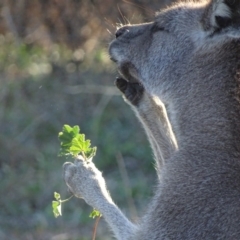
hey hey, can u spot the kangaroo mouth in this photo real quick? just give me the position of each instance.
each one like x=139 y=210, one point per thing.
x=126 y=69
x=128 y=72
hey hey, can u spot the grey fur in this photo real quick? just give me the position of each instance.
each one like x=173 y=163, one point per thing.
x=188 y=64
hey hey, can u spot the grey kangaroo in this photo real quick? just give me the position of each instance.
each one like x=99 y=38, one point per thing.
x=181 y=75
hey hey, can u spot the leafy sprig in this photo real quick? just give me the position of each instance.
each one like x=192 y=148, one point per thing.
x=73 y=143
x=57 y=205
x=95 y=213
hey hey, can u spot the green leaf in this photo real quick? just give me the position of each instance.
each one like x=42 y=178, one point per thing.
x=67 y=128
x=75 y=147
x=76 y=130
x=57 y=196
x=56 y=205
x=74 y=143
x=57 y=210
x=95 y=213
x=91 y=152
x=68 y=133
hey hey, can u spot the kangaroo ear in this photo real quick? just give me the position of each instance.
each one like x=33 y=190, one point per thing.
x=221 y=14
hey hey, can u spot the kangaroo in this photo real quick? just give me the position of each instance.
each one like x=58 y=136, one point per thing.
x=181 y=75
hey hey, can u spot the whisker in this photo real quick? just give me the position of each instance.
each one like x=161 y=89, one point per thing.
x=109 y=32
x=151 y=11
x=121 y=13
x=127 y=21
x=108 y=21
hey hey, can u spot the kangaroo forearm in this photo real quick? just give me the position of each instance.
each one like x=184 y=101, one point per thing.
x=160 y=134
x=85 y=180
x=153 y=116
x=120 y=225
x=154 y=145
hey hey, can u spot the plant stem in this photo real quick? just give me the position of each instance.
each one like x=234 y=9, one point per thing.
x=65 y=200
x=95 y=227
x=84 y=156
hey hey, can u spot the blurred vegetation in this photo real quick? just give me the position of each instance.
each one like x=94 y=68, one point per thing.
x=54 y=69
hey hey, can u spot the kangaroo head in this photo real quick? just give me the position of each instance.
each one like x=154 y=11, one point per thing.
x=153 y=52
x=189 y=57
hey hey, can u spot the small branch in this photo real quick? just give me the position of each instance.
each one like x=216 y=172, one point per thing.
x=84 y=156
x=95 y=227
x=65 y=200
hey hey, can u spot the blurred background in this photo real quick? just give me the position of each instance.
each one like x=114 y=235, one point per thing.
x=55 y=70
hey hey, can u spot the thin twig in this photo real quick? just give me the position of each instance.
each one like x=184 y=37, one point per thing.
x=95 y=227
x=121 y=14
x=149 y=10
x=66 y=200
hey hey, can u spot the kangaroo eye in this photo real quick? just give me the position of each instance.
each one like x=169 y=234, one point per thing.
x=157 y=28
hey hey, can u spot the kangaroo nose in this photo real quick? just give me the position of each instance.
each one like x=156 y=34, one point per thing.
x=121 y=31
